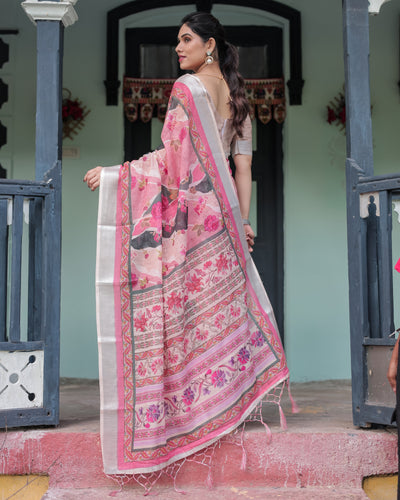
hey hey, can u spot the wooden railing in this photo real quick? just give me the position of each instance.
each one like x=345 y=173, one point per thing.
x=28 y=355
x=371 y=292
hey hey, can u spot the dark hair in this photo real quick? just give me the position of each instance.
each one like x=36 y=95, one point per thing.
x=207 y=26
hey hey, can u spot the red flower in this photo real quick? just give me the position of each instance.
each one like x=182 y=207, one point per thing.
x=156 y=210
x=331 y=115
x=211 y=223
x=174 y=301
x=194 y=284
x=221 y=263
x=342 y=115
x=71 y=109
x=140 y=322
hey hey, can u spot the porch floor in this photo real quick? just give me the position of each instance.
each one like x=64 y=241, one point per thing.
x=320 y=455
x=324 y=407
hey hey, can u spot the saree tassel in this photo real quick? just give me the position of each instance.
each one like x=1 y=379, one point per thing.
x=209 y=480
x=267 y=431
x=178 y=490
x=244 y=454
x=295 y=408
x=244 y=459
x=283 y=419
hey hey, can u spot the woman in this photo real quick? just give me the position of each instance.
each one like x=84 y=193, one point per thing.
x=393 y=375
x=187 y=338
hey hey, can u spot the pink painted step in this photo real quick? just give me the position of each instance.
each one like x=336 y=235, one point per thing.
x=220 y=493
x=291 y=460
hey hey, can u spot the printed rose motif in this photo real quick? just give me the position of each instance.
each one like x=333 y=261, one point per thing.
x=171 y=121
x=207 y=264
x=219 y=320
x=141 y=370
x=188 y=396
x=153 y=413
x=174 y=301
x=182 y=134
x=194 y=284
x=211 y=223
x=200 y=206
x=172 y=358
x=235 y=311
x=257 y=339
x=243 y=356
x=140 y=322
x=201 y=334
x=134 y=279
x=218 y=378
x=221 y=263
x=164 y=202
x=156 y=365
x=156 y=210
x=185 y=345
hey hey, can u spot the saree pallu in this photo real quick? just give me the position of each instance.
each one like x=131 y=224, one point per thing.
x=188 y=344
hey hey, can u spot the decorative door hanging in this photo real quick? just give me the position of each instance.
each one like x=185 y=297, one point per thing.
x=140 y=95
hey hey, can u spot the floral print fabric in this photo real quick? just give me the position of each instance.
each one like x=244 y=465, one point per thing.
x=195 y=351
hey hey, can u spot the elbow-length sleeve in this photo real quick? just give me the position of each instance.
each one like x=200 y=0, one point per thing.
x=243 y=145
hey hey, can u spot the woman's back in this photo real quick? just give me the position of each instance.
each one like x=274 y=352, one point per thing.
x=218 y=90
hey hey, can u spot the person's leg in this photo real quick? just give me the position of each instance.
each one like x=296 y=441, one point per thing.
x=398 y=422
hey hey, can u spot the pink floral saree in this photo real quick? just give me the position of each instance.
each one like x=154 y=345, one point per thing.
x=188 y=345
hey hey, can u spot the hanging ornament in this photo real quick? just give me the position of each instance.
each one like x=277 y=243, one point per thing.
x=209 y=58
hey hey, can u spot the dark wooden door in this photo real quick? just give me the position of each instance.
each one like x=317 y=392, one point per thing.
x=150 y=54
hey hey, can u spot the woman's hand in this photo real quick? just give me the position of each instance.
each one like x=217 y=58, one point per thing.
x=392 y=370
x=92 y=178
x=249 y=236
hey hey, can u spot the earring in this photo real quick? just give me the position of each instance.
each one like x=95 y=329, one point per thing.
x=209 y=58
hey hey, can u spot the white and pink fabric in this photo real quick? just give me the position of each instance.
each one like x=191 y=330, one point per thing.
x=188 y=343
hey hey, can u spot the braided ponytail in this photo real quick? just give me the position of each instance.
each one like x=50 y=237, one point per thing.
x=207 y=26
x=229 y=62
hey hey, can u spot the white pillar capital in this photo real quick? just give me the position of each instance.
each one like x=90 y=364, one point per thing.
x=51 y=11
x=375 y=6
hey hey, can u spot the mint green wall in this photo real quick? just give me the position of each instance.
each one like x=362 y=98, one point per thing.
x=316 y=291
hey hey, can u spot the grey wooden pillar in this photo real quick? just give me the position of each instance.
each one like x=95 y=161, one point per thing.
x=358 y=103
x=359 y=163
x=50 y=38
x=50 y=19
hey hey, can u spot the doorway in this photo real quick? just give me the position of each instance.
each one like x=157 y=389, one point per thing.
x=150 y=53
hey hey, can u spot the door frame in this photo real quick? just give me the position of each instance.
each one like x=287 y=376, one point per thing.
x=293 y=16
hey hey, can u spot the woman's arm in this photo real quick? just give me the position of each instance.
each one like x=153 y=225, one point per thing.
x=392 y=370
x=243 y=187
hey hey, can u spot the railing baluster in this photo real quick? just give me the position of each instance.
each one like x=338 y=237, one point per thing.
x=385 y=265
x=3 y=268
x=16 y=260
x=372 y=269
x=35 y=269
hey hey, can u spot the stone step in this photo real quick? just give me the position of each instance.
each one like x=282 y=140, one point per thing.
x=219 y=493
x=291 y=460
